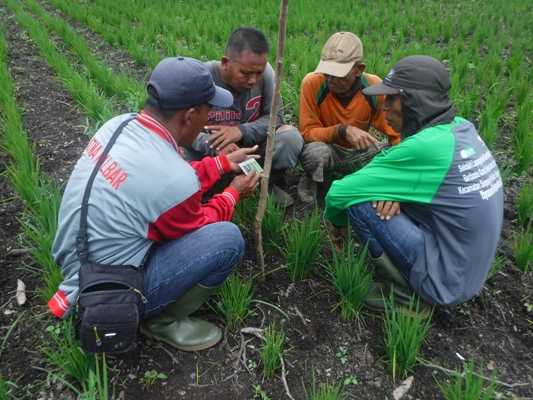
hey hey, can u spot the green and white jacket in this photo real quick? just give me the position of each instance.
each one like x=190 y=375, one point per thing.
x=449 y=184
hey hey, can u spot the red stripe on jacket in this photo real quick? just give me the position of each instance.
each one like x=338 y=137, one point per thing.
x=191 y=214
x=58 y=304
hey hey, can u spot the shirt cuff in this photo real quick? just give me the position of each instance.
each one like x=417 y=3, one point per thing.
x=232 y=194
x=58 y=304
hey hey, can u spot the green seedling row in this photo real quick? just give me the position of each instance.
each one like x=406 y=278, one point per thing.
x=114 y=31
x=128 y=90
x=40 y=196
x=39 y=222
x=86 y=95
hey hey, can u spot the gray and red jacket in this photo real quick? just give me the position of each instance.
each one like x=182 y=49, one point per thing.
x=145 y=192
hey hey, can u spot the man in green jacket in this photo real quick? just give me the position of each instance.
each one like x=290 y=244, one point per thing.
x=443 y=179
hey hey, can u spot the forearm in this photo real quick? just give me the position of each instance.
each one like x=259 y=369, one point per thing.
x=210 y=169
x=191 y=215
x=326 y=134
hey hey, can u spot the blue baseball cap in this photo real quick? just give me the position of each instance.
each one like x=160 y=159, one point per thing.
x=181 y=82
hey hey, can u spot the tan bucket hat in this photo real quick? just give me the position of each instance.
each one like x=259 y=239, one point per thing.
x=339 y=54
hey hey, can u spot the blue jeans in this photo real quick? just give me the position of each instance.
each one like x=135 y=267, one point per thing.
x=399 y=237
x=206 y=257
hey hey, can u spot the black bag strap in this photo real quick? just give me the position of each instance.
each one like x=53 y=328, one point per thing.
x=82 y=244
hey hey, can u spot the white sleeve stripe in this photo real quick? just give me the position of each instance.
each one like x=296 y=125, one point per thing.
x=230 y=196
x=219 y=165
x=60 y=301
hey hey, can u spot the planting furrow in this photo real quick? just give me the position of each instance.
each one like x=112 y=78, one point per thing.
x=117 y=59
x=116 y=33
x=129 y=91
x=41 y=196
x=88 y=97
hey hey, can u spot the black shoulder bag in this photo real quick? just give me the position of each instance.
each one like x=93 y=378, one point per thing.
x=110 y=304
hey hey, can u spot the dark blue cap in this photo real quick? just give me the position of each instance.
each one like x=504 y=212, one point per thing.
x=413 y=72
x=180 y=82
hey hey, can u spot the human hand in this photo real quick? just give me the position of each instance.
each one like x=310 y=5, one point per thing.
x=241 y=155
x=222 y=135
x=386 y=209
x=359 y=139
x=245 y=184
x=230 y=148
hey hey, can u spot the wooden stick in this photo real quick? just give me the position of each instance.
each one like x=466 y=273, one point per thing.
x=261 y=207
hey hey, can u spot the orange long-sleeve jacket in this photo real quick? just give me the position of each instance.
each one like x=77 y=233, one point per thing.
x=321 y=112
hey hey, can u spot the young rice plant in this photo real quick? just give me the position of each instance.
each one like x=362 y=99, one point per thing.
x=245 y=212
x=325 y=391
x=272 y=350
x=523 y=249
x=273 y=224
x=497 y=265
x=351 y=279
x=405 y=331
x=525 y=205
x=468 y=386
x=234 y=298
x=303 y=240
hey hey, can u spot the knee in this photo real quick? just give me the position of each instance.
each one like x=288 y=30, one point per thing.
x=289 y=139
x=228 y=237
x=288 y=145
x=361 y=211
x=314 y=154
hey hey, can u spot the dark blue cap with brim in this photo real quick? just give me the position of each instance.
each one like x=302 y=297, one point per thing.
x=413 y=72
x=180 y=82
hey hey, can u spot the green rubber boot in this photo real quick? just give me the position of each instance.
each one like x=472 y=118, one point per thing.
x=392 y=280
x=175 y=328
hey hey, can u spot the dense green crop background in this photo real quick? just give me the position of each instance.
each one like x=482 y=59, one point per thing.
x=487 y=45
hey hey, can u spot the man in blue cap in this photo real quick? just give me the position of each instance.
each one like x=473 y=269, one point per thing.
x=145 y=206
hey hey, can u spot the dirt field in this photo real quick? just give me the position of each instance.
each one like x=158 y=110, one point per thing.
x=494 y=329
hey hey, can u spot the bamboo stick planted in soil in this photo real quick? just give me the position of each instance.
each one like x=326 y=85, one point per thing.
x=270 y=138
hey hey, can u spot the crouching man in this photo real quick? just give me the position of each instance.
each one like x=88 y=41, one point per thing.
x=335 y=115
x=244 y=71
x=444 y=181
x=145 y=206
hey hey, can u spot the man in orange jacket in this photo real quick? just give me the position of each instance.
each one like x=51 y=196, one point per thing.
x=335 y=115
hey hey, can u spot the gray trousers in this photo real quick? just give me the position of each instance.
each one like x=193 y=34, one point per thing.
x=319 y=158
x=288 y=143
